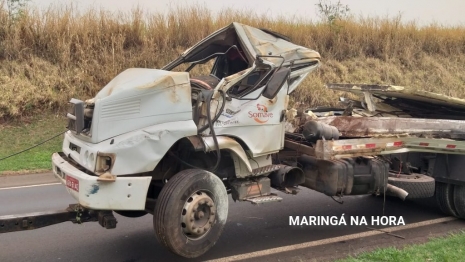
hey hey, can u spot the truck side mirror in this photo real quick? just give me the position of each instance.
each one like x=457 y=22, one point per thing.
x=276 y=82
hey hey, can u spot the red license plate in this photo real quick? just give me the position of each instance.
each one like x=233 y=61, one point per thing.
x=72 y=183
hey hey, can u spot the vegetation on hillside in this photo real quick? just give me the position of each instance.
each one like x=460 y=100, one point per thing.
x=448 y=248
x=48 y=57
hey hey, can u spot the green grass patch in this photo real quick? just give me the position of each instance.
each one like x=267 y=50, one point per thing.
x=448 y=248
x=24 y=133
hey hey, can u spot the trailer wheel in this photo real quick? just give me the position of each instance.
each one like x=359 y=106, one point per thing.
x=190 y=213
x=417 y=185
x=459 y=200
x=445 y=198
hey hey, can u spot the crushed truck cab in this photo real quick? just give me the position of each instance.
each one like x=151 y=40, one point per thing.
x=174 y=142
x=117 y=139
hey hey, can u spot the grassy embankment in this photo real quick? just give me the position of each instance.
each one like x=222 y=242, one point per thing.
x=24 y=133
x=439 y=249
x=47 y=58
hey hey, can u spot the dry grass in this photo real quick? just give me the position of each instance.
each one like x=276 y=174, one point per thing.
x=48 y=57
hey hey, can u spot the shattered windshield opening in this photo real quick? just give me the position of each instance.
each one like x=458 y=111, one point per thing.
x=255 y=80
x=219 y=65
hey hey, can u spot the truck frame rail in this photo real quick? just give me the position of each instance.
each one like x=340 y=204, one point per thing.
x=344 y=148
x=74 y=213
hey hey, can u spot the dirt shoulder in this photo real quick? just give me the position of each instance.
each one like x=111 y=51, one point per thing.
x=16 y=180
x=24 y=172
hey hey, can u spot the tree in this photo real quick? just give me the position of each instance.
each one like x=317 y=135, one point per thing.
x=16 y=8
x=331 y=12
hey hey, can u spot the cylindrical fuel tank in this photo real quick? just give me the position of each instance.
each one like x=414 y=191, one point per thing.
x=314 y=130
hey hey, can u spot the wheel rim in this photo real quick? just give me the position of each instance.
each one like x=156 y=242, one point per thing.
x=198 y=215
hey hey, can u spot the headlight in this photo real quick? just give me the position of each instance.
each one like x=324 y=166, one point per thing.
x=90 y=161
x=105 y=162
x=85 y=159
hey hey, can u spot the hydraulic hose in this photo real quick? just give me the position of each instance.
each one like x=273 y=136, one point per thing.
x=209 y=124
x=209 y=98
x=212 y=129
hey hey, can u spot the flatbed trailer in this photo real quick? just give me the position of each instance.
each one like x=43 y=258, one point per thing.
x=336 y=149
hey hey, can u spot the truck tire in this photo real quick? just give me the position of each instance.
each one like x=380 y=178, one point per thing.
x=131 y=214
x=191 y=212
x=459 y=200
x=445 y=198
x=417 y=185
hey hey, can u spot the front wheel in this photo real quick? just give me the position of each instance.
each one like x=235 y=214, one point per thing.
x=191 y=212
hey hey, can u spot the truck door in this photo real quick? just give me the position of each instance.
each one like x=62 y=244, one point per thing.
x=253 y=118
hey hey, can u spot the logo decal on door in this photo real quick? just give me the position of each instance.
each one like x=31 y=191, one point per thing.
x=261 y=115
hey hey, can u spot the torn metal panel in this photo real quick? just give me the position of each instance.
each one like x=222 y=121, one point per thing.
x=252 y=41
x=266 y=44
x=385 y=126
x=369 y=100
x=416 y=103
x=401 y=92
x=382 y=110
x=135 y=152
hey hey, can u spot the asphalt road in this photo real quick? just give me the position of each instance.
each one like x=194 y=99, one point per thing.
x=249 y=228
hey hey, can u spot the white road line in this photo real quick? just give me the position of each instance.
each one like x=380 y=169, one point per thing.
x=277 y=250
x=17 y=187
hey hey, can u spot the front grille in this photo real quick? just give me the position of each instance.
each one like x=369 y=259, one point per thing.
x=75 y=164
x=120 y=109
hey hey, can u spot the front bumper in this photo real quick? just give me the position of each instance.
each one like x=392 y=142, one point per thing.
x=126 y=193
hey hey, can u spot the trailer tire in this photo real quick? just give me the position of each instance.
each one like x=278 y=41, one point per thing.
x=459 y=200
x=191 y=212
x=445 y=198
x=417 y=185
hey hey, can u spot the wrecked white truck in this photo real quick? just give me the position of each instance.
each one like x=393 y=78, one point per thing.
x=174 y=143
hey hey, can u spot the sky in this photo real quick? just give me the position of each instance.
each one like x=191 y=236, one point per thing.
x=424 y=12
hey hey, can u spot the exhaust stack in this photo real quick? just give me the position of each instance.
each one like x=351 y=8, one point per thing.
x=287 y=178
x=396 y=191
